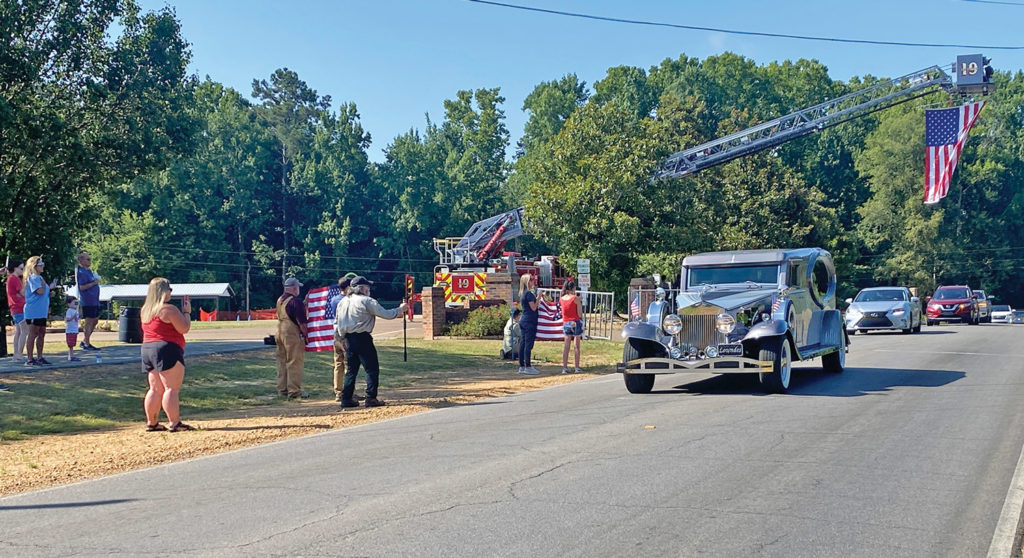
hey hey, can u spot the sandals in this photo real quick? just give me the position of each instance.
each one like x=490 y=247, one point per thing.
x=155 y=427
x=180 y=426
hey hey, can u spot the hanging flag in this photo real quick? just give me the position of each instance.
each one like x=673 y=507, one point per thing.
x=945 y=132
x=320 y=315
x=634 y=307
x=549 y=320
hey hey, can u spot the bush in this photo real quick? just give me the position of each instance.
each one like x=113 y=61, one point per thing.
x=482 y=322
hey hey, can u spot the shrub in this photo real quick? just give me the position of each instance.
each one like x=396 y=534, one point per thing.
x=482 y=322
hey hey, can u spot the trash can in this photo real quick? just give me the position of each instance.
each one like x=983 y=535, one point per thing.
x=129 y=327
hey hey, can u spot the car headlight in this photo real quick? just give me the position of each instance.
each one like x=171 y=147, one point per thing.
x=725 y=323
x=852 y=314
x=899 y=311
x=673 y=324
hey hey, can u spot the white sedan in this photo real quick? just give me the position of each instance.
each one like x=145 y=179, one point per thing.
x=1001 y=314
x=883 y=308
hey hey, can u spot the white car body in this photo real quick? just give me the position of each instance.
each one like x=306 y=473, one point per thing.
x=1001 y=316
x=883 y=308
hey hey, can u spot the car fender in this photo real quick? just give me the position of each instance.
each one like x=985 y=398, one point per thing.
x=771 y=328
x=644 y=330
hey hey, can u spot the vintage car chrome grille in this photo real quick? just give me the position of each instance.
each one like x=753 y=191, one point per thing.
x=699 y=327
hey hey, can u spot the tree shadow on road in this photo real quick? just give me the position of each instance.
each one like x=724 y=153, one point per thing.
x=811 y=381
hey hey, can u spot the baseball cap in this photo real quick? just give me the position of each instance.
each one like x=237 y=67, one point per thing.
x=351 y=275
x=360 y=280
x=292 y=282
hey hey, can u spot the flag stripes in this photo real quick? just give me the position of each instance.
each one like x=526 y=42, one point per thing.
x=946 y=132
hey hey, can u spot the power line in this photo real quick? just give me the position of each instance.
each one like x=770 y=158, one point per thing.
x=736 y=32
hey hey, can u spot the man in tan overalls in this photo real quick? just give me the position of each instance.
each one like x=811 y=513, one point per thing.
x=291 y=340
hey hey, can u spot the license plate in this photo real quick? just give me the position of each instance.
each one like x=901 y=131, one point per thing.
x=732 y=349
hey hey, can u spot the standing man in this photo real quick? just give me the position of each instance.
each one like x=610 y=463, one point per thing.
x=339 y=345
x=291 y=340
x=357 y=314
x=89 y=294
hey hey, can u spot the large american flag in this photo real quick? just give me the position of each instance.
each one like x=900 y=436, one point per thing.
x=549 y=320
x=945 y=132
x=320 y=314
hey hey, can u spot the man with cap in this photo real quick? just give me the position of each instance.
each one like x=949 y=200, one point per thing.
x=357 y=314
x=339 y=346
x=291 y=340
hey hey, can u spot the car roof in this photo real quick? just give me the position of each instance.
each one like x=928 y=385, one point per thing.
x=882 y=288
x=749 y=256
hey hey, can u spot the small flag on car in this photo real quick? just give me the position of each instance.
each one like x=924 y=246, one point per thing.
x=634 y=307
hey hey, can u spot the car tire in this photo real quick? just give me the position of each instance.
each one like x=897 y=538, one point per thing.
x=636 y=383
x=851 y=332
x=931 y=323
x=835 y=363
x=776 y=350
x=918 y=328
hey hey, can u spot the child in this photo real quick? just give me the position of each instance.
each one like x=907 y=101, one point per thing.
x=510 y=344
x=71 y=331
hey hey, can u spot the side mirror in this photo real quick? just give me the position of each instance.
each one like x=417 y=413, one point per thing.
x=849 y=301
x=915 y=300
x=974 y=297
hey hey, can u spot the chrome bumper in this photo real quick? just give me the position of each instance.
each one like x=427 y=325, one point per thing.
x=721 y=365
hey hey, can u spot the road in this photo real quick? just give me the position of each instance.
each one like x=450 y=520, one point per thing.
x=910 y=452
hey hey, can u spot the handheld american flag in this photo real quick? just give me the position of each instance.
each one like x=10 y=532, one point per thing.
x=634 y=307
x=945 y=132
x=549 y=320
x=320 y=327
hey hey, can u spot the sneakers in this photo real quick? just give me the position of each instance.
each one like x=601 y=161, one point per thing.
x=42 y=360
x=374 y=402
x=74 y=359
x=301 y=395
x=579 y=370
x=87 y=346
x=31 y=362
x=349 y=403
x=529 y=370
x=565 y=370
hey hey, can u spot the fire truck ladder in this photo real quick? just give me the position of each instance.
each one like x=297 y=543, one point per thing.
x=484 y=238
x=804 y=122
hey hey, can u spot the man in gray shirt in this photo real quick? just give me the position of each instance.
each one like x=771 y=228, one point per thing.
x=356 y=315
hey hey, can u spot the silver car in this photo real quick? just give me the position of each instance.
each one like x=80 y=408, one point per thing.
x=883 y=308
x=1001 y=313
x=753 y=311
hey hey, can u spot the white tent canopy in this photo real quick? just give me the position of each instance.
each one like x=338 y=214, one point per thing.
x=138 y=292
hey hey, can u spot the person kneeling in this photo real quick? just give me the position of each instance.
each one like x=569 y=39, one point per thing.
x=510 y=343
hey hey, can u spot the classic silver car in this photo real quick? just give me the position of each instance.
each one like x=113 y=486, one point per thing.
x=752 y=311
x=883 y=308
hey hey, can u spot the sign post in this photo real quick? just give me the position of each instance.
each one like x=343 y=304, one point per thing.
x=583 y=274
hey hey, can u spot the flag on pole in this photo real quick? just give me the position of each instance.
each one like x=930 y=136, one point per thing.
x=320 y=319
x=945 y=132
x=549 y=320
x=634 y=307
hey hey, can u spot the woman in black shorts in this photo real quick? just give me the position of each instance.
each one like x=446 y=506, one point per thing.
x=163 y=354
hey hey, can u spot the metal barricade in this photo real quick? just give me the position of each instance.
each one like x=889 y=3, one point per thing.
x=598 y=312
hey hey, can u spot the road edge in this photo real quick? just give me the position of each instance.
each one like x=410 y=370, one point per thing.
x=1005 y=535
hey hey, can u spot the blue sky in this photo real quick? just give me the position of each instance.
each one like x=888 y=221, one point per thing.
x=399 y=59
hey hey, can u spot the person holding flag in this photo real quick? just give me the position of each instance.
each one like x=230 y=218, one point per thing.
x=357 y=314
x=339 y=344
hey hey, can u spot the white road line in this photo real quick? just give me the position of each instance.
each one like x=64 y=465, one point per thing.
x=1006 y=529
x=947 y=353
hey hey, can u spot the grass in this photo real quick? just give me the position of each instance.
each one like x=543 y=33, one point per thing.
x=100 y=397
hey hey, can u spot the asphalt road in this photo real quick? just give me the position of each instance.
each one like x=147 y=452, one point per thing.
x=910 y=452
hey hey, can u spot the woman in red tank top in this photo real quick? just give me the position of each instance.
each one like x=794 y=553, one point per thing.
x=572 y=324
x=163 y=354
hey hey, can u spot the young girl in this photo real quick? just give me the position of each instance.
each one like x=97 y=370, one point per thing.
x=71 y=327
x=572 y=324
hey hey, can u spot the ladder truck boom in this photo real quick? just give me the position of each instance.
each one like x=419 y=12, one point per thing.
x=803 y=122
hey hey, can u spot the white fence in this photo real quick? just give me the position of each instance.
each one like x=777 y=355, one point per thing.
x=598 y=310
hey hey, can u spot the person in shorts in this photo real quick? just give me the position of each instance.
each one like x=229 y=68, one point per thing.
x=163 y=354
x=572 y=324
x=89 y=290
x=71 y=319
x=16 y=302
x=37 y=307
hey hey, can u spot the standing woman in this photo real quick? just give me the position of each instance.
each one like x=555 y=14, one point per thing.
x=527 y=323
x=16 y=302
x=163 y=354
x=37 y=308
x=572 y=324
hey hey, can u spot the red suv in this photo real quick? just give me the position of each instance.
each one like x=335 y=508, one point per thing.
x=953 y=304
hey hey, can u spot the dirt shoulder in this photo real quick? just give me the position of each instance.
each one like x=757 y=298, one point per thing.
x=45 y=461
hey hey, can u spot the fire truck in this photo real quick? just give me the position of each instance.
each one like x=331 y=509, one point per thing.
x=464 y=262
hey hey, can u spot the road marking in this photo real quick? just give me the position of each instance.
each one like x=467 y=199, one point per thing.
x=1006 y=529
x=948 y=353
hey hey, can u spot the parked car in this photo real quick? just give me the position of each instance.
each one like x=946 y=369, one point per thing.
x=753 y=311
x=883 y=308
x=984 y=307
x=1017 y=317
x=1001 y=313
x=952 y=303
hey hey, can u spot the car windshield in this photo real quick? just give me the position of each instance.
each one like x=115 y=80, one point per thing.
x=981 y=295
x=1001 y=308
x=950 y=294
x=887 y=295
x=733 y=274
